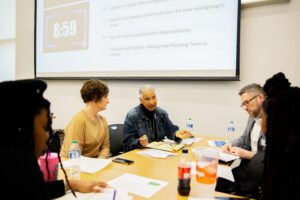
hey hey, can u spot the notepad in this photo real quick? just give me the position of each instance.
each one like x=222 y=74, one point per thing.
x=165 y=146
x=227 y=157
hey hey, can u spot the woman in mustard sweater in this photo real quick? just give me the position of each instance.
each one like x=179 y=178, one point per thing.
x=88 y=127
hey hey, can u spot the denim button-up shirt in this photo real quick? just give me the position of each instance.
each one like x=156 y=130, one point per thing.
x=137 y=124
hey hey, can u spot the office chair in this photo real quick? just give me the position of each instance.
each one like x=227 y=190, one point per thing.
x=116 y=139
x=56 y=140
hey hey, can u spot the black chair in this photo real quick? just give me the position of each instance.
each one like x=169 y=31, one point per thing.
x=116 y=139
x=56 y=140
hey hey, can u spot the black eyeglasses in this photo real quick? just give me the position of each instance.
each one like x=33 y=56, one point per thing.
x=246 y=102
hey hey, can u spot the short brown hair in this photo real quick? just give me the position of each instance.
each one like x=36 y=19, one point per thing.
x=93 y=90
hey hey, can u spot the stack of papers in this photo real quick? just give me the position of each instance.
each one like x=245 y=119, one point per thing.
x=156 y=153
x=165 y=146
x=139 y=185
x=89 y=165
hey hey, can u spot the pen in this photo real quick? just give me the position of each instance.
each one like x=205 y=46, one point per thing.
x=115 y=193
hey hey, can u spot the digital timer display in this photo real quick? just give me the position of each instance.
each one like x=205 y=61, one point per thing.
x=66 y=28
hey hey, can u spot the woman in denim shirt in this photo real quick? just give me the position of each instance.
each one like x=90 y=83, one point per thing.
x=146 y=123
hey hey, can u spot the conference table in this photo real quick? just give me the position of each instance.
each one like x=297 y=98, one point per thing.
x=155 y=168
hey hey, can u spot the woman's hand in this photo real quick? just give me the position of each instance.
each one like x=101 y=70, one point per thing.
x=86 y=186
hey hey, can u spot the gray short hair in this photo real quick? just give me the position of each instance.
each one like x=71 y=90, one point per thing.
x=254 y=87
x=144 y=88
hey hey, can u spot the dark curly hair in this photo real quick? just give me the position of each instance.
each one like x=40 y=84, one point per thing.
x=93 y=90
x=283 y=145
x=276 y=83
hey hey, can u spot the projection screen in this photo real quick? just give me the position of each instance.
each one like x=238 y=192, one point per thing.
x=137 y=39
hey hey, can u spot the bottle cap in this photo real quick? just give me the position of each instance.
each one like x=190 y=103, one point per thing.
x=185 y=151
x=74 y=142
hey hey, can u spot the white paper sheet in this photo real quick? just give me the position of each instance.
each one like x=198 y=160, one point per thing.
x=190 y=141
x=156 y=153
x=138 y=185
x=227 y=157
x=223 y=171
x=89 y=165
x=107 y=194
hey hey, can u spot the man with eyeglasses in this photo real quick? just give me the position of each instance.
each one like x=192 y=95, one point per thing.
x=250 y=145
x=252 y=97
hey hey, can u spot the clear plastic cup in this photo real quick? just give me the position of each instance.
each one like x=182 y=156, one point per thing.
x=206 y=171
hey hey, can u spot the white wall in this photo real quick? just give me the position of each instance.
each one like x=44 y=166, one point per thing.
x=7 y=19
x=269 y=43
x=7 y=39
x=7 y=59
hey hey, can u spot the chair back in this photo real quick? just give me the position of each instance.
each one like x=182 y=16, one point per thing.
x=56 y=140
x=116 y=139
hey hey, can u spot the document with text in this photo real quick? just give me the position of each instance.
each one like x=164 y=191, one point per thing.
x=139 y=185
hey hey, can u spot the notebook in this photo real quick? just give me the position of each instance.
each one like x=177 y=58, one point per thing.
x=165 y=146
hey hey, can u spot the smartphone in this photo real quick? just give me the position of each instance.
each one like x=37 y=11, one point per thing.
x=123 y=161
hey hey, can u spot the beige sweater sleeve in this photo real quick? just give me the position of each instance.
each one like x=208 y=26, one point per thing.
x=105 y=147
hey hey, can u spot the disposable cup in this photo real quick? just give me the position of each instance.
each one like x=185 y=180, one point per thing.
x=52 y=166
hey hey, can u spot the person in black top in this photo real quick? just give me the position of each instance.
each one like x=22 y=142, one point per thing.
x=280 y=123
x=25 y=127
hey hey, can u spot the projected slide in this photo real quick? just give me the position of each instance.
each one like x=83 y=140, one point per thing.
x=137 y=39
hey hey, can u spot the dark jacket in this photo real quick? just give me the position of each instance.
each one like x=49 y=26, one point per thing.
x=137 y=124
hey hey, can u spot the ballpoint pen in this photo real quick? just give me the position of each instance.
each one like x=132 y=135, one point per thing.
x=115 y=194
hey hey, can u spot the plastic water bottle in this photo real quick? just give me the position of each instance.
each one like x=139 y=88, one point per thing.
x=189 y=125
x=184 y=174
x=74 y=156
x=231 y=130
